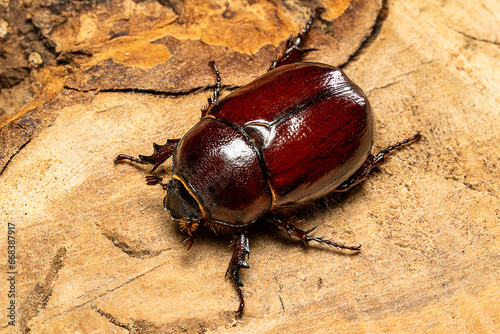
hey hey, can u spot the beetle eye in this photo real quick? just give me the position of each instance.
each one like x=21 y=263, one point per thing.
x=180 y=203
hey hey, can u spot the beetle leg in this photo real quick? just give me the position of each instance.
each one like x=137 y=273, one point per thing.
x=188 y=241
x=213 y=100
x=237 y=262
x=188 y=227
x=152 y=180
x=160 y=155
x=292 y=51
x=371 y=162
x=303 y=235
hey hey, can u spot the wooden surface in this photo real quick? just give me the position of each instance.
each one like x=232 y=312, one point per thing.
x=96 y=251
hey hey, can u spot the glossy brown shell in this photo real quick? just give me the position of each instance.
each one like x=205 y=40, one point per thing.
x=221 y=165
x=308 y=128
x=312 y=125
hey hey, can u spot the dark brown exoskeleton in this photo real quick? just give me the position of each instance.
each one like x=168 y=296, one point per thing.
x=297 y=133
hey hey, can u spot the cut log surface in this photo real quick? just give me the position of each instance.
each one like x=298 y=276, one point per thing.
x=97 y=253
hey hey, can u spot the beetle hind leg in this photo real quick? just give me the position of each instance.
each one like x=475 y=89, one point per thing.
x=160 y=155
x=213 y=100
x=304 y=236
x=237 y=262
x=293 y=52
x=372 y=162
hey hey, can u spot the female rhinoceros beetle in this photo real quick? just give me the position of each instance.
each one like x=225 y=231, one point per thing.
x=298 y=132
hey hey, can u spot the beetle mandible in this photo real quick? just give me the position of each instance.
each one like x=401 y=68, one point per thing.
x=298 y=132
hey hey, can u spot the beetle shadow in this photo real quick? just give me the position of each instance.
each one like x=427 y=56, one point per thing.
x=141 y=170
x=306 y=213
x=145 y=169
x=264 y=229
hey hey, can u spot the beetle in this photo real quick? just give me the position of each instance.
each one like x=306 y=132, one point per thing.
x=298 y=132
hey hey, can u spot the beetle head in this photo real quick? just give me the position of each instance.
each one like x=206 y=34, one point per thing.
x=184 y=207
x=180 y=203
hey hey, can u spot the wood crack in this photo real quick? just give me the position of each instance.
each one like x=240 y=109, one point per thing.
x=110 y=318
x=14 y=154
x=104 y=293
x=174 y=95
x=280 y=289
x=396 y=80
x=474 y=38
x=41 y=293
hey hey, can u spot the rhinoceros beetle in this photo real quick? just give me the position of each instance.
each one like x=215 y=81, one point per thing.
x=298 y=132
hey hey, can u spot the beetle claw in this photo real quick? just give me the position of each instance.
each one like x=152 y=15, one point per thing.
x=309 y=231
x=242 y=301
x=122 y=157
x=188 y=242
x=308 y=50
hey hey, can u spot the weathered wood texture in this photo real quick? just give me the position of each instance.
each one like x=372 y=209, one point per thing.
x=97 y=252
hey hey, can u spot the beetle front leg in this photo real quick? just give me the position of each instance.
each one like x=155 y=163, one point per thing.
x=160 y=155
x=237 y=262
x=291 y=230
x=371 y=162
x=292 y=51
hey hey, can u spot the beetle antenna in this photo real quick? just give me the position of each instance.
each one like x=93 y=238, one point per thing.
x=153 y=180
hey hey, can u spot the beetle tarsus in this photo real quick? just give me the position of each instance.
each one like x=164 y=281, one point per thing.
x=293 y=231
x=238 y=261
x=188 y=242
x=371 y=163
x=293 y=52
x=213 y=100
x=387 y=150
x=242 y=301
x=331 y=243
x=122 y=157
x=160 y=155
